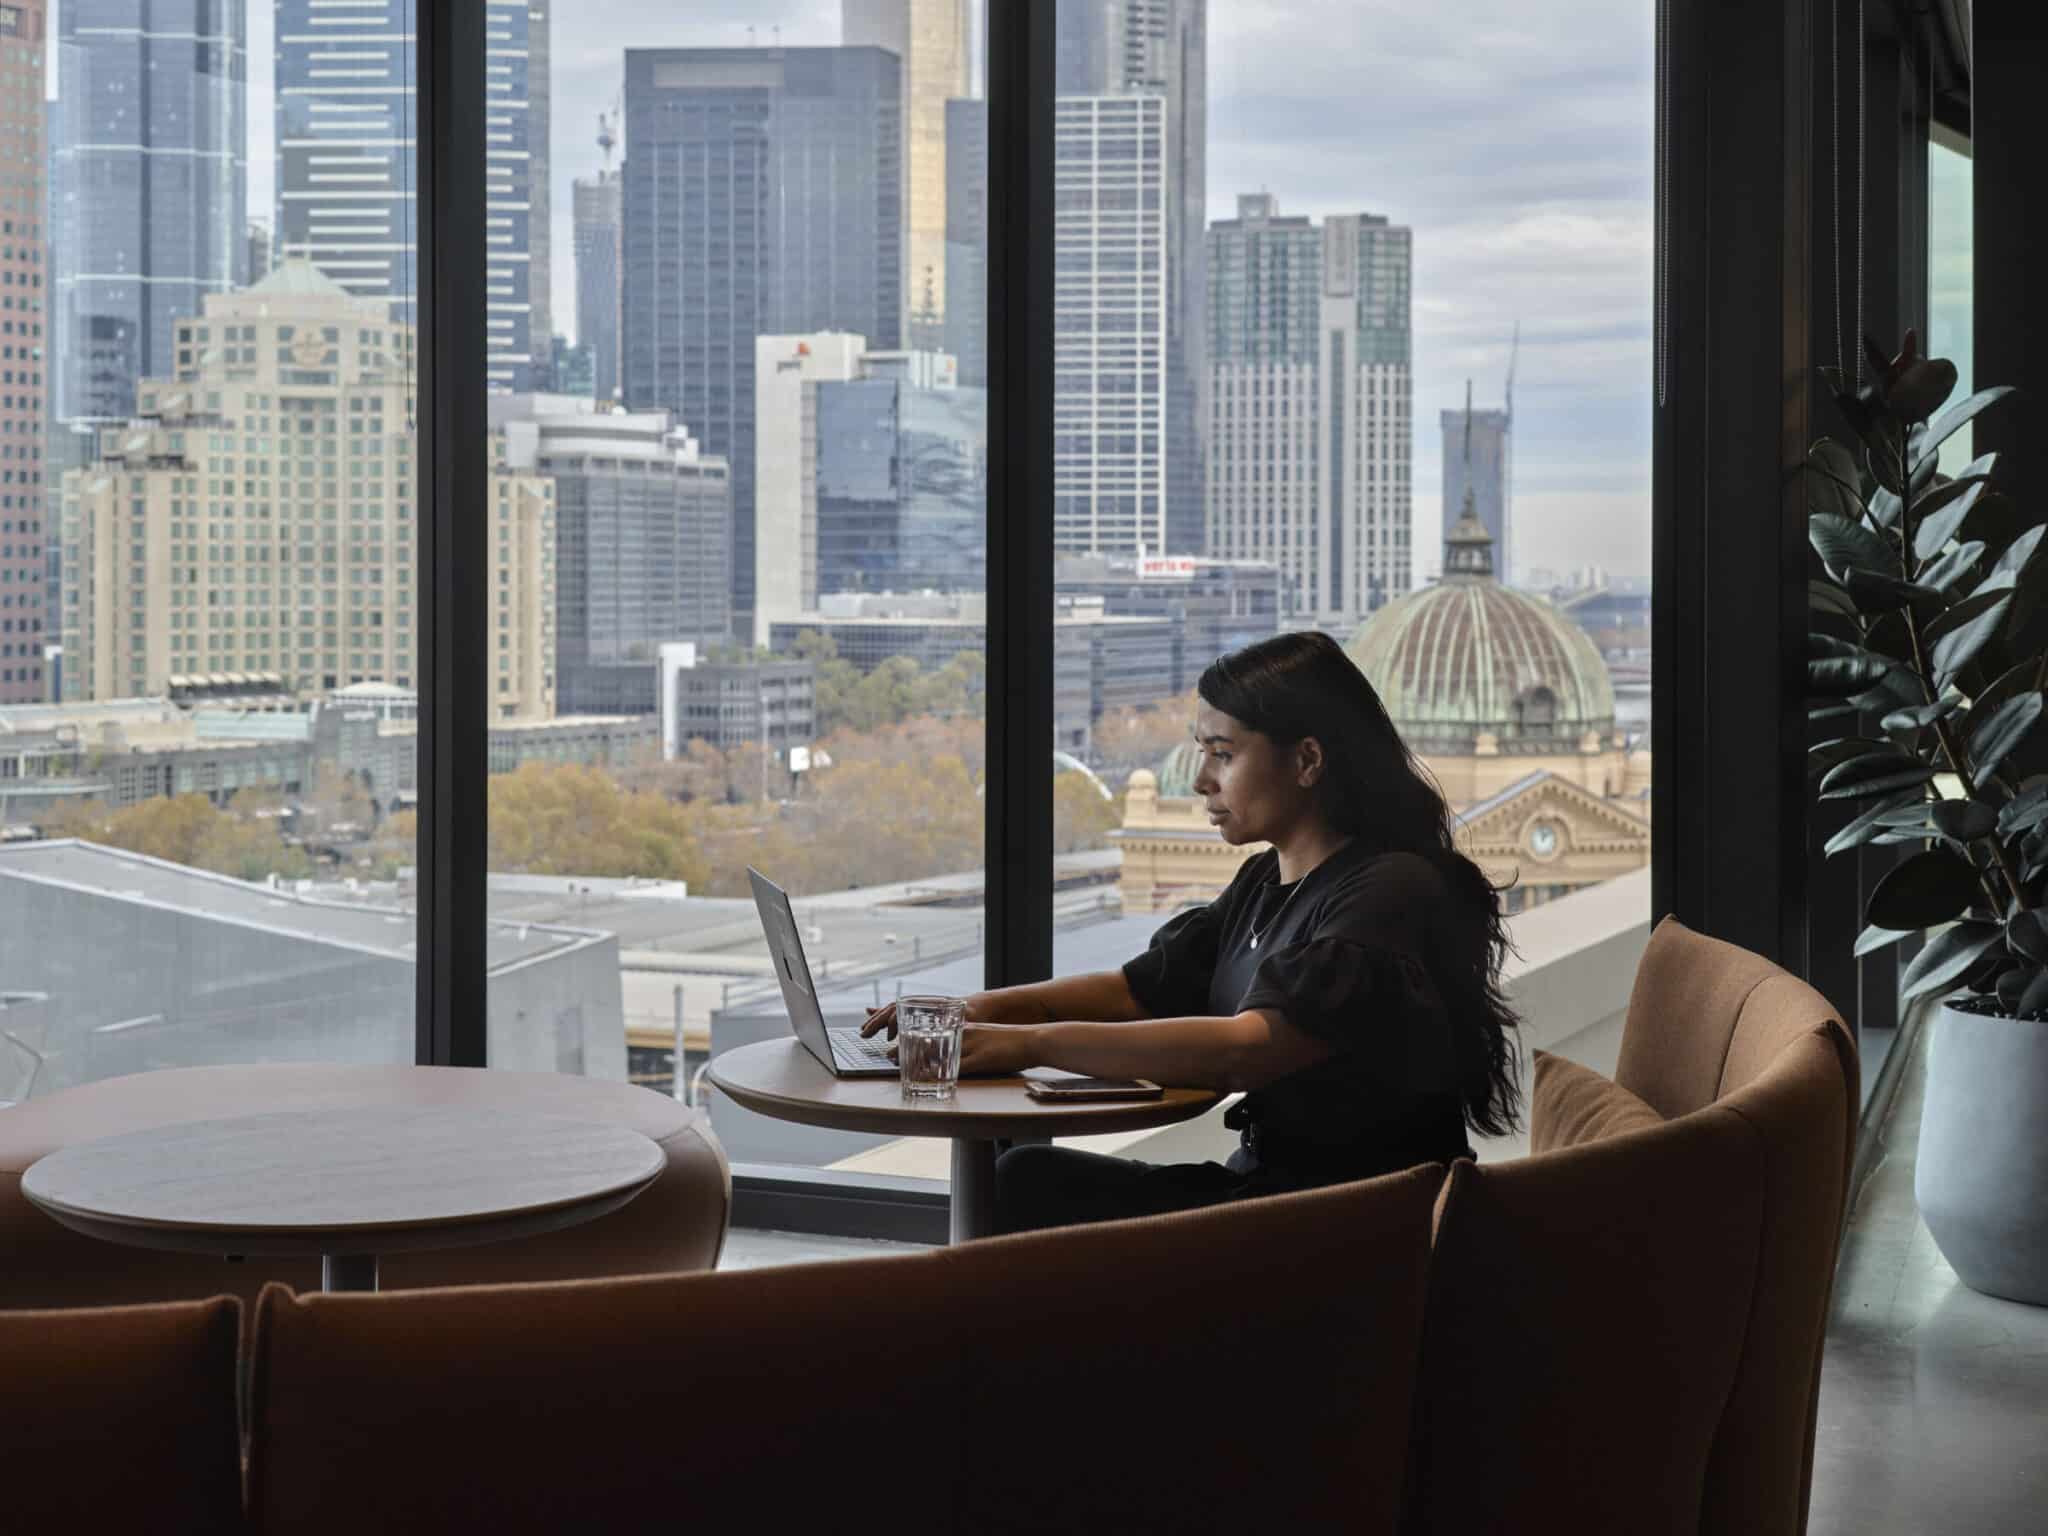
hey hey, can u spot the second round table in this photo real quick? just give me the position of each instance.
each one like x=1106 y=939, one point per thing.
x=781 y=1079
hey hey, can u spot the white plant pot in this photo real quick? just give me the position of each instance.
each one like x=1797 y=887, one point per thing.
x=1982 y=1176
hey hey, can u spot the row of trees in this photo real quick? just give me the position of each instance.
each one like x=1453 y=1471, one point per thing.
x=900 y=803
x=900 y=800
x=260 y=833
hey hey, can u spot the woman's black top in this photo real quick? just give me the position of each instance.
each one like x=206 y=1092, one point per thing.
x=1361 y=952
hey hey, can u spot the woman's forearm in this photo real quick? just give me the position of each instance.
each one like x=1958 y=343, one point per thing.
x=1101 y=995
x=1213 y=1053
x=1230 y=1055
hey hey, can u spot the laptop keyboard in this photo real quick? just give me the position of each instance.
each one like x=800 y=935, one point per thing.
x=850 y=1050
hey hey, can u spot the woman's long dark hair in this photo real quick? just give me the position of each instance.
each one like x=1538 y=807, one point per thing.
x=1302 y=684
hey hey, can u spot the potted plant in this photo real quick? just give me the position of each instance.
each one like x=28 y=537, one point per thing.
x=1928 y=649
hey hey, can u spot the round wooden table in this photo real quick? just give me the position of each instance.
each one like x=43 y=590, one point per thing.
x=782 y=1079
x=346 y=1184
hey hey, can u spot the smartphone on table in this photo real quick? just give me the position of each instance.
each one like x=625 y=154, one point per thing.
x=1091 y=1089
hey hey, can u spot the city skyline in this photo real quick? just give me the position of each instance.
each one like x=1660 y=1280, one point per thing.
x=1519 y=153
x=1517 y=148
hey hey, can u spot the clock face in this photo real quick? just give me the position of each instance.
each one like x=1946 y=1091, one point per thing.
x=309 y=351
x=1543 y=839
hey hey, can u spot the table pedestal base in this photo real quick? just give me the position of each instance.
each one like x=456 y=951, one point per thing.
x=348 y=1272
x=972 y=1210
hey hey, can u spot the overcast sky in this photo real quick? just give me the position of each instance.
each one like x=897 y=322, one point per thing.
x=1514 y=138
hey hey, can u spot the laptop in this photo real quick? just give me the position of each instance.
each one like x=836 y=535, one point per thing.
x=842 y=1052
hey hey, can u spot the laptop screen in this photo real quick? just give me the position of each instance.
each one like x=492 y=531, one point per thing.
x=792 y=971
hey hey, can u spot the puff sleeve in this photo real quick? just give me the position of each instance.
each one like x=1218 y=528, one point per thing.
x=1171 y=978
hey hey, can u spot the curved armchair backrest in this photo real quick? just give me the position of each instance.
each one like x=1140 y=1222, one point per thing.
x=1712 y=1024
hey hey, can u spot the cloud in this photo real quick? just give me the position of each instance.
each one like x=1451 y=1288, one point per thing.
x=1516 y=141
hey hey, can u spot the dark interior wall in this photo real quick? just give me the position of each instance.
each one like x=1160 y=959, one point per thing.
x=2010 y=66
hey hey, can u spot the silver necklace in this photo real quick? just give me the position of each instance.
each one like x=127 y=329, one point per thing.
x=1256 y=934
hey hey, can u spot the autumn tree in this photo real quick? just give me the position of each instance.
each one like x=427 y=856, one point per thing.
x=876 y=823
x=1128 y=739
x=567 y=819
x=1081 y=814
x=188 y=830
x=919 y=737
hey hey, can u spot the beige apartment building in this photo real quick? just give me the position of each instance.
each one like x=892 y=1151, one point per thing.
x=258 y=515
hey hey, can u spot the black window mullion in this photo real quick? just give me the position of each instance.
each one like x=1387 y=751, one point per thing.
x=1018 y=796
x=1731 y=423
x=452 y=665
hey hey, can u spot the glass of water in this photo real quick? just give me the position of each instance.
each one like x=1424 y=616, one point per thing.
x=928 y=1045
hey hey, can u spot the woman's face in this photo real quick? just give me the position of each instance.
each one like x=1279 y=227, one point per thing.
x=1254 y=789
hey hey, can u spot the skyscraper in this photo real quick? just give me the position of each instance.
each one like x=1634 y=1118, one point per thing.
x=1161 y=48
x=23 y=354
x=787 y=373
x=519 y=314
x=1109 y=326
x=967 y=239
x=149 y=207
x=762 y=197
x=347 y=144
x=598 y=211
x=642 y=519
x=1310 y=441
x=930 y=37
x=902 y=478
x=1477 y=449
x=347 y=195
x=1367 y=404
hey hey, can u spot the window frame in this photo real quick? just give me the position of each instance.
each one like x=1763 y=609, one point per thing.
x=454 y=634
x=1753 y=103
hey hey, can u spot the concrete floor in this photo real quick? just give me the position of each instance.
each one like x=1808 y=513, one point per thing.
x=1934 y=1399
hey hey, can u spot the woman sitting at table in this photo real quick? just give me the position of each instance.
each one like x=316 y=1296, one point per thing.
x=1347 y=981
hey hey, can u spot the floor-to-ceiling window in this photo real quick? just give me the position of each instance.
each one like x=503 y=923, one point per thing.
x=736 y=528
x=208 y=526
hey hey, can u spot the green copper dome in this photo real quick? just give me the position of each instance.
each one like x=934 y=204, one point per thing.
x=1177 y=771
x=1470 y=655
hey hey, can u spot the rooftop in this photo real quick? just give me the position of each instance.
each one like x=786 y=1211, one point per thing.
x=116 y=875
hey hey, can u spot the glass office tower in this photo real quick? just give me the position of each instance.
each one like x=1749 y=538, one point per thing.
x=763 y=196
x=149 y=210
x=346 y=123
